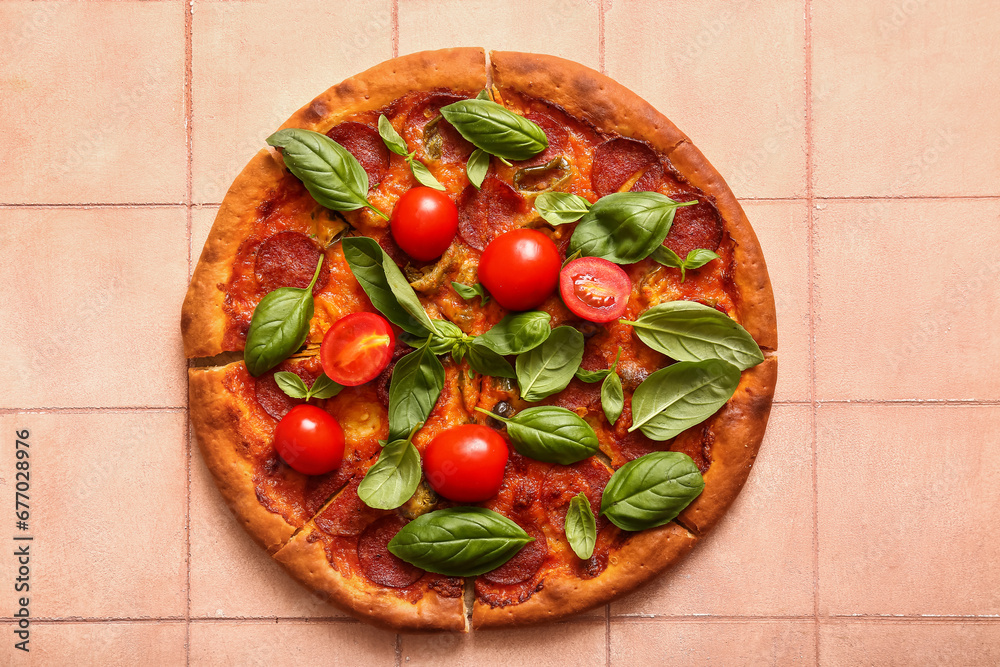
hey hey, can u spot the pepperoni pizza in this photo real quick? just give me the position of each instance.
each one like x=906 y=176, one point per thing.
x=272 y=231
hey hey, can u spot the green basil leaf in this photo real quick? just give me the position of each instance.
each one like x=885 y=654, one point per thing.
x=484 y=95
x=477 y=166
x=625 y=227
x=681 y=395
x=548 y=368
x=385 y=285
x=279 y=326
x=561 y=208
x=612 y=397
x=324 y=388
x=651 y=490
x=551 y=434
x=690 y=331
x=592 y=376
x=491 y=127
x=394 y=477
x=291 y=384
x=543 y=177
x=581 y=527
x=417 y=380
x=459 y=541
x=486 y=361
x=391 y=137
x=424 y=175
x=695 y=259
x=518 y=333
x=333 y=176
x=468 y=293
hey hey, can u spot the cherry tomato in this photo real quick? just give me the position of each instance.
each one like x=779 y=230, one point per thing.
x=595 y=289
x=424 y=222
x=310 y=440
x=520 y=269
x=356 y=348
x=466 y=463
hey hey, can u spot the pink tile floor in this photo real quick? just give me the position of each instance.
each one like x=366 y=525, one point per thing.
x=860 y=136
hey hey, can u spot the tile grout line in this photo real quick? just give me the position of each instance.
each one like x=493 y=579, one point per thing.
x=394 y=22
x=811 y=260
x=601 y=67
x=189 y=199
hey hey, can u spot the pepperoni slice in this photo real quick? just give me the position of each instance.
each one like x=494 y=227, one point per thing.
x=556 y=134
x=385 y=377
x=564 y=482
x=698 y=226
x=347 y=515
x=377 y=563
x=270 y=396
x=617 y=160
x=485 y=214
x=365 y=144
x=440 y=138
x=525 y=562
x=288 y=259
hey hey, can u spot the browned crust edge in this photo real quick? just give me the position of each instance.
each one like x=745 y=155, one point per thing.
x=307 y=562
x=457 y=69
x=214 y=416
x=586 y=94
x=755 y=307
x=738 y=429
x=642 y=557
x=203 y=321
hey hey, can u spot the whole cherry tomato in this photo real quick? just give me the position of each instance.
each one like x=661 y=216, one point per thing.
x=595 y=289
x=310 y=440
x=356 y=348
x=520 y=268
x=466 y=463
x=424 y=222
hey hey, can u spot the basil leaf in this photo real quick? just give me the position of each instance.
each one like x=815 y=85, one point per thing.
x=561 y=208
x=484 y=95
x=391 y=137
x=548 y=368
x=651 y=490
x=324 y=388
x=679 y=396
x=592 y=376
x=551 y=434
x=279 y=326
x=459 y=541
x=424 y=175
x=695 y=259
x=581 y=527
x=477 y=166
x=486 y=361
x=385 y=285
x=518 y=333
x=468 y=293
x=394 y=477
x=491 y=127
x=333 y=176
x=417 y=380
x=625 y=227
x=291 y=384
x=612 y=397
x=690 y=331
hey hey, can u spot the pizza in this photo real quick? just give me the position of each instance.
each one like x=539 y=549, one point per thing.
x=479 y=344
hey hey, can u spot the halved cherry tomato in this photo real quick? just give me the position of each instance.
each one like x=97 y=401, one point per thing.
x=356 y=348
x=595 y=289
x=520 y=268
x=466 y=463
x=424 y=222
x=310 y=440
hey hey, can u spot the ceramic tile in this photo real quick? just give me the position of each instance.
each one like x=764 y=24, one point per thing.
x=100 y=644
x=902 y=644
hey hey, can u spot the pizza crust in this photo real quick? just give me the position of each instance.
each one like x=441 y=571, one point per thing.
x=379 y=605
x=642 y=557
x=215 y=416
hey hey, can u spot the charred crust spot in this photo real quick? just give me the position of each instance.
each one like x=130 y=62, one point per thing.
x=316 y=110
